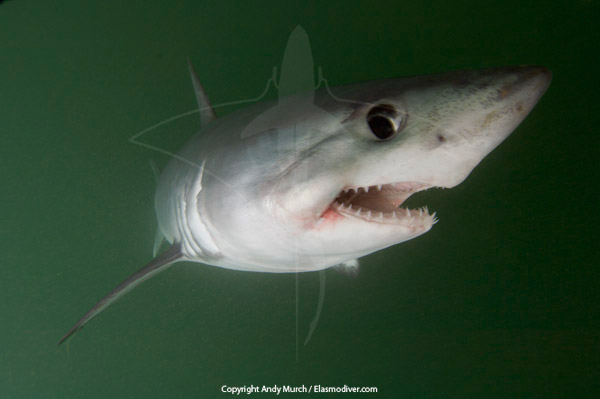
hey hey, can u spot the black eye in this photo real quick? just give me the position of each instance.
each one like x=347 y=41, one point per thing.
x=382 y=126
x=384 y=121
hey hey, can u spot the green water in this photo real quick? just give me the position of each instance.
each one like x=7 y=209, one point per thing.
x=501 y=298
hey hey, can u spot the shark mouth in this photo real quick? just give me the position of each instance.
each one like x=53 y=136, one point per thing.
x=382 y=204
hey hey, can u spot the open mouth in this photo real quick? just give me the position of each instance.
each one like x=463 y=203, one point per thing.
x=383 y=204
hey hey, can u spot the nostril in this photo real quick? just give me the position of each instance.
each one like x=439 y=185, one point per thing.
x=441 y=139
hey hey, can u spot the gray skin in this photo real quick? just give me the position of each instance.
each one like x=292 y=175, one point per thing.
x=309 y=182
x=261 y=196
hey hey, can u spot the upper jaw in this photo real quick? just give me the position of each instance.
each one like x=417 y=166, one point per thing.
x=381 y=203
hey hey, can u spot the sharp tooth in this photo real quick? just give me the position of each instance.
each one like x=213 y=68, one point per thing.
x=394 y=215
x=379 y=187
x=380 y=215
x=366 y=189
x=407 y=213
x=420 y=211
x=369 y=214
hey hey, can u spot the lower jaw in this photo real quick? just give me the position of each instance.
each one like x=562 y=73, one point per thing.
x=401 y=216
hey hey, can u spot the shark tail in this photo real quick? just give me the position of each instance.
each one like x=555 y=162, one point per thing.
x=155 y=266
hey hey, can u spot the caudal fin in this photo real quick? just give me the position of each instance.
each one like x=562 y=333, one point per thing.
x=156 y=265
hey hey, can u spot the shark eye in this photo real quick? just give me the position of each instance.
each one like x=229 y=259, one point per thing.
x=384 y=121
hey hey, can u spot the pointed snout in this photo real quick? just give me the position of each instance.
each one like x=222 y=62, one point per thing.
x=538 y=75
x=503 y=84
x=488 y=106
x=528 y=81
x=501 y=97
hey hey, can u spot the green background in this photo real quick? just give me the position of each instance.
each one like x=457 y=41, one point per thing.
x=501 y=298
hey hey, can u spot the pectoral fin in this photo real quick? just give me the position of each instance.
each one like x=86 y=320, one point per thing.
x=159 y=238
x=349 y=267
x=157 y=265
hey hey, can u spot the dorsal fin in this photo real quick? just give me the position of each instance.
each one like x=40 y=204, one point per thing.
x=207 y=113
x=155 y=171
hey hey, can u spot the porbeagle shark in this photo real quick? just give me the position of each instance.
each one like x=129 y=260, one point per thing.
x=318 y=178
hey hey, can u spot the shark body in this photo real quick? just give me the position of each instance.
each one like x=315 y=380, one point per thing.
x=318 y=179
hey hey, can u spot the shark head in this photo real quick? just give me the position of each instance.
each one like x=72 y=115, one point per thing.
x=320 y=178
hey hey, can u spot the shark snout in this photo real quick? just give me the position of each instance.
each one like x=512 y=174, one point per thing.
x=489 y=106
x=528 y=81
